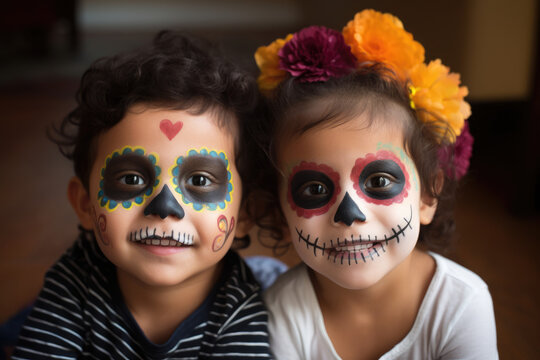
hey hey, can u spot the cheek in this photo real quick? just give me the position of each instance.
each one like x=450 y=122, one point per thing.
x=225 y=230
x=215 y=229
x=301 y=226
x=111 y=227
x=100 y=226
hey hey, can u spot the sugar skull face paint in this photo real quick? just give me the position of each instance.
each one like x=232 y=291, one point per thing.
x=380 y=178
x=154 y=233
x=371 y=225
x=203 y=179
x=312 y=189
x=100 y=226
x=225 y=229
x=169 y=129
x=128 y=177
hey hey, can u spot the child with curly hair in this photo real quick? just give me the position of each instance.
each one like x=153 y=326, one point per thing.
x=160 y=153
x=369 y=143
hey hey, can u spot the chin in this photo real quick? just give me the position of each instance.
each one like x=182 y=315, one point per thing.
x=356 y=282
x=162 y=281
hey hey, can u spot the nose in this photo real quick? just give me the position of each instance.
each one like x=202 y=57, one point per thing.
x=164 y=204
x=348 y=212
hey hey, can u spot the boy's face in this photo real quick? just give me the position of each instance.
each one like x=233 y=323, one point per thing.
x=351 y=197
x=165 y=195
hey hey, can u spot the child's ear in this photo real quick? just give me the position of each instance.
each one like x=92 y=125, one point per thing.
x=80 y=201
x=428 y=205
x=243 y=225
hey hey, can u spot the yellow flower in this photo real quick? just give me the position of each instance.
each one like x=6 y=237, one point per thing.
x=439 y=99
x=378 y=37
x=267 y=60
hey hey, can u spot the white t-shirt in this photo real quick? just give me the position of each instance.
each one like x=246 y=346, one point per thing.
x=455 y=320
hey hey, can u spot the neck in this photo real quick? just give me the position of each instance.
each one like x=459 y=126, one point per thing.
x=160 y=309
x=395 y=289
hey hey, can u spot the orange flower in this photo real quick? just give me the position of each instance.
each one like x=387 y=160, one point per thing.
x=267 y=60
x=374 y=36
x=436 y=95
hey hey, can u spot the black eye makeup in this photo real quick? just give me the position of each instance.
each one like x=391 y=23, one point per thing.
x=203 y=179
x=312 y=189
x=128 y=176
x=380 y=178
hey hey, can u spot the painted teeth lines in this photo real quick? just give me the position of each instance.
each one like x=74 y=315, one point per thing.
x=154 y=238
x=353 y=246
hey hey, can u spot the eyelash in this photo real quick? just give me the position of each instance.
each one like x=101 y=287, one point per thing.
x=122 y=179
x=206 y=177
x=389 y=179
x=309 y=185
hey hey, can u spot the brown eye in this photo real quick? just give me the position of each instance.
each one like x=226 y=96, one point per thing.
x=203 y=179
x=378 y=181
x=311 y=189
x=382 y=179
x=199 y=180
x=128 y=176
x=132 y=179
x=314 y=189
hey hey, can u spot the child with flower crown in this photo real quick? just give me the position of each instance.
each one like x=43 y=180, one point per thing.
x=369 y=143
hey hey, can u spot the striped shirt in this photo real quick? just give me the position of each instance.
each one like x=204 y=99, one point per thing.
x=80 y=314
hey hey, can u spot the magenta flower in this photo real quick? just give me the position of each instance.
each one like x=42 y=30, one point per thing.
x=316 y=53
x=457 y=167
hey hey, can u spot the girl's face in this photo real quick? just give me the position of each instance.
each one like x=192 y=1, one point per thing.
x=351 y=197
x=164 y=195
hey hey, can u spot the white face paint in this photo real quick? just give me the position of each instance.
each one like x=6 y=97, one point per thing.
x=351 y=200
x=165 y=194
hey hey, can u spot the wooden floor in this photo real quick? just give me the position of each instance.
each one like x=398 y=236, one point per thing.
x=37 y=224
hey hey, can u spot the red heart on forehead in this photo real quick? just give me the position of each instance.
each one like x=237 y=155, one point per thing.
x=169 y=129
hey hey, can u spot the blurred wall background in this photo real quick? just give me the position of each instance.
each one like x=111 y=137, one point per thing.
x=490 y=42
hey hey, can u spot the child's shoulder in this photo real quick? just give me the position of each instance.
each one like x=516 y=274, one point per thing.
x=236 y=274
x=80 y=263
x=294 y=284
x=454 y=291
x=450 y=273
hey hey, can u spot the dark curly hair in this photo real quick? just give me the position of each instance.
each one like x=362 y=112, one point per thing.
x=177 y=71
x=295 y=107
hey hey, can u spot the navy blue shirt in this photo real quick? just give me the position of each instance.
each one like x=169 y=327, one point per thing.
x=80 y=313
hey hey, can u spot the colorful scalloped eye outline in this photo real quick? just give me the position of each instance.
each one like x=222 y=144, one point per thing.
x=323 y=168
x=174 y=171
x=403 y=156
x=109 y=204
x=362 y=162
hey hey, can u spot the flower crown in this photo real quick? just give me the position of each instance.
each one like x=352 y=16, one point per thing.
x=316 y=54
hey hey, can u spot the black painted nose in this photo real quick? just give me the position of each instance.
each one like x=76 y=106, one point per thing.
x=348 y=211
x=164 y=204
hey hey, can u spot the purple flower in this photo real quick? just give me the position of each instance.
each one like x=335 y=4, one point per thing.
x=457 y=166
x=316 y=53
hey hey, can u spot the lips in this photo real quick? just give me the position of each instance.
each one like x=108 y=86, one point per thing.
x=156 y=238
x=354 y=247
x=351 y=250
x=355 y=252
